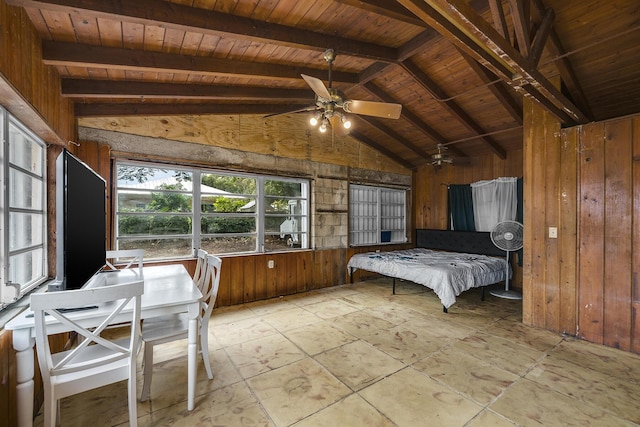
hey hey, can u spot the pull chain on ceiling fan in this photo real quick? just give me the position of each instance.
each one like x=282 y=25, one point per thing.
x=330 y=101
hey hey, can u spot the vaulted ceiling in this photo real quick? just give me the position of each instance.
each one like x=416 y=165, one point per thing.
x=459 y=68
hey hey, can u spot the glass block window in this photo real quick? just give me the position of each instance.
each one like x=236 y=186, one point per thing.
x=377 y=215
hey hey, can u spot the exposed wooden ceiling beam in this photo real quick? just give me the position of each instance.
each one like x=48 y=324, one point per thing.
x=411 y=48
x=381 y=148
x=417 y=44
x=541 y=38
x=451 y=105
x=394 y=135
x=85 y=88
x=521 y=24
x=567 y=73
x=465 y=28
x=499 y=20
x=372 y=71
x=456 y=35
x=185 y=18
x=411 y=117
x=500 y=90
x=381 y=7
x=150 y=109
x=83 y=55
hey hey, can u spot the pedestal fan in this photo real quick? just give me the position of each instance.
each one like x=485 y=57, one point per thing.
x=508 y=236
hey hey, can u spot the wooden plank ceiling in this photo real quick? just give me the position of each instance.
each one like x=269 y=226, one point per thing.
x=459 y=68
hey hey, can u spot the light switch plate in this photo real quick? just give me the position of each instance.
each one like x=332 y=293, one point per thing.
x=553 y=232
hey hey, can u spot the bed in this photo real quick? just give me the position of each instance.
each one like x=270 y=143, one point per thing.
x=448 y=262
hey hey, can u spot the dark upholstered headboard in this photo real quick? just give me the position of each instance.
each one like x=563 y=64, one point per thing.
x=474 y=242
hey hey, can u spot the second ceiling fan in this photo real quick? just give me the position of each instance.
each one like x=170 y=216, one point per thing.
x=330 y=104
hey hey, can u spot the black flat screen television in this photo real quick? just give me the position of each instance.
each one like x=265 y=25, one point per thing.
x=80 y=223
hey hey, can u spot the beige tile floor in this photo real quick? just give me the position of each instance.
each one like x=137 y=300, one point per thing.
x=356 y=355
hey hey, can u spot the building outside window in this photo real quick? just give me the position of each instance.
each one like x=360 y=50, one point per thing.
x=377 y=215
x=159 y=209
x=23 y=203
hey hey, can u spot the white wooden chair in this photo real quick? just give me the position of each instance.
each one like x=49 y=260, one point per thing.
x=95 y=361
x=164 y=329
x=201 y=268
x=131 y=258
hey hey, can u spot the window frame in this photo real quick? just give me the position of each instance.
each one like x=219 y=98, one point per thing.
x=197 y=213
x=11 y=292
x=373 y=214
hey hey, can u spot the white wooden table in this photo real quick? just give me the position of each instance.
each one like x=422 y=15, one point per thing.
x=167 y=289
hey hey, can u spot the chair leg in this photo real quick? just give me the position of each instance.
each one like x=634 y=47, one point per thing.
x=147 y=371
x=51 y=409
x=204 y=349
x=133 y=401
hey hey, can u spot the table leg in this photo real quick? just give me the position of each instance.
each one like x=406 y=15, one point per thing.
x=192 y=363
x=23 y=345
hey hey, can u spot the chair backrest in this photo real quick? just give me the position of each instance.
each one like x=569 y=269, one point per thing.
x=135 y=258
x=199 y=275
x=212 y=283
x=55 y=308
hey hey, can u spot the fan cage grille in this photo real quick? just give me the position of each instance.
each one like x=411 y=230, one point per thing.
x=508 y=235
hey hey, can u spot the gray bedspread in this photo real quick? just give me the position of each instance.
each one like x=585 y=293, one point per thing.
x=448 y=274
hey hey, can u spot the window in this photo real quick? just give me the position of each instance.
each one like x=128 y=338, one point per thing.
x=376 y=215
x=23 y=204
x=160 y=210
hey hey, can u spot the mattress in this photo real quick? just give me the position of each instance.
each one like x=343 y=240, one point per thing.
x=448 y=274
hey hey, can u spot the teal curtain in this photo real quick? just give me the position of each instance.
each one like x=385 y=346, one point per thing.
x=461 y=207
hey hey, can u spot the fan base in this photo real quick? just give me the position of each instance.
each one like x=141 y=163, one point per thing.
x=508 y=294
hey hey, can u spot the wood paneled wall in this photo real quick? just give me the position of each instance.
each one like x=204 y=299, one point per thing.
x=549 y=201
x=29 y=89
x=608 y=171
x=248 y=278
x=430 y=189
x=8 y=384
x=585 y=181
x=430 y=184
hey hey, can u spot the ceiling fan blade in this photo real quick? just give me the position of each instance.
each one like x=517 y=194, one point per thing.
x=336 y=125
x=299 y=110
x=370 y=108
x=318 y=87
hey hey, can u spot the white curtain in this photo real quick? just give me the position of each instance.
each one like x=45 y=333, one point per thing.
x=494 y=201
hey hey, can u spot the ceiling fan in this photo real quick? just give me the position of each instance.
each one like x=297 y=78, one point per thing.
x=438 y=159
x=330 y=101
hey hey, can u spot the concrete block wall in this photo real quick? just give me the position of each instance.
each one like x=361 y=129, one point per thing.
x=330 y=218
x=329 y=182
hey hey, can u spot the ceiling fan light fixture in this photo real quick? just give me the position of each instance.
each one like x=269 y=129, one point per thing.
x=323 y=126
x=438 y=159
x=346 y=123
x=316 y=118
